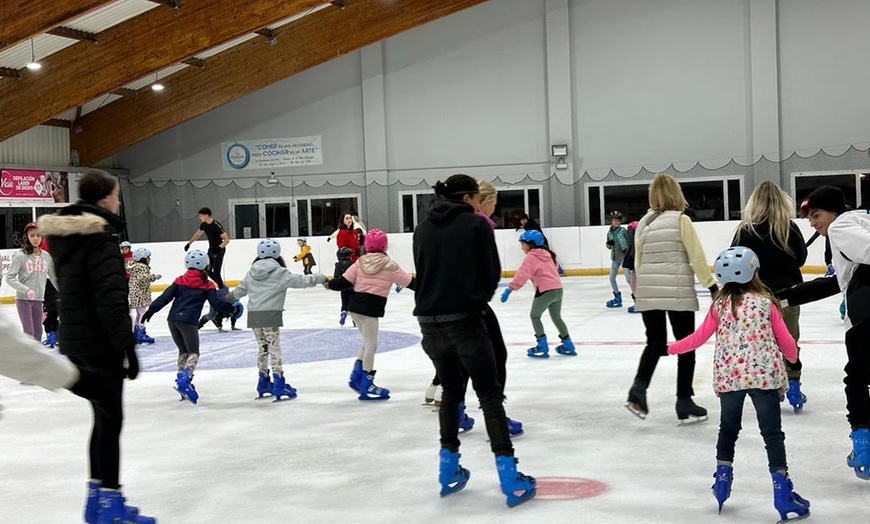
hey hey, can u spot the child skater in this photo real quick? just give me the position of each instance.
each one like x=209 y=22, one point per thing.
x=127 y=253
x=266 y=285
x=305 y=255
x=751 y=341
x=141 y=278
x=345 y=260
x=372 y=277
x=188 y=294
x=617 y=244
x=28 y=272
x=541 y=268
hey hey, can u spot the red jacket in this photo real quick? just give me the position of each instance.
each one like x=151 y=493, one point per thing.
x=348 y=238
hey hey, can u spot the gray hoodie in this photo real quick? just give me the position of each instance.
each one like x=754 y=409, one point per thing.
x=266 y=285
x=30 y=272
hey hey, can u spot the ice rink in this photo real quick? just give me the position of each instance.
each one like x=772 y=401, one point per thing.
x=328 y=457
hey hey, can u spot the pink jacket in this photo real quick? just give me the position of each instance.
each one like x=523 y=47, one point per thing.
x=375 y=273
x=749 y=348
x=489 y=220
x=540 y=268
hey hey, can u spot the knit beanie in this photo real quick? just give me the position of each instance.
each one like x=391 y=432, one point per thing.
x=828 y=198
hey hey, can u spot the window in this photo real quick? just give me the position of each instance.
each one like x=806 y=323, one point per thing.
x=849 y=181
x=512 y=203
x=708 y=199
x=275 y=217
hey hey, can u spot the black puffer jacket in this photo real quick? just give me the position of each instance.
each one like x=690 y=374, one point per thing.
x=94 y=317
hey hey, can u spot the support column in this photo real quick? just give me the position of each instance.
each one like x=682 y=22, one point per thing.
x=376 y=193
x=563 y=210
x=763 y=134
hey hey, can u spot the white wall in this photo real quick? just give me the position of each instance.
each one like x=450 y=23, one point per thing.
x=38 y=146
x=577 y=248
x=658 y=81
x=823 y=59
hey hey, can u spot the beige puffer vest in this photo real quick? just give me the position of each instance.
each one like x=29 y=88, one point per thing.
x=665 y=279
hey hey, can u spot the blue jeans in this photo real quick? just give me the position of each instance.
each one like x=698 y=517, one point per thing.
x=461 y=350
x=614 y=269
x=766 y=402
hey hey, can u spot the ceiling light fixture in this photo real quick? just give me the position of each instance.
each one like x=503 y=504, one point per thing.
x=33 y=65
x=156 y=86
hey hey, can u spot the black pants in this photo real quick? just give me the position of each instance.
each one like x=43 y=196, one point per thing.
x=216 y=259
x=766 y=402
x=102 y=384
x=858 y=375
x=499 y=349
x=345 y=298
x=682 y=324
x=49 y=307
x=461 y=350
x=306 y=269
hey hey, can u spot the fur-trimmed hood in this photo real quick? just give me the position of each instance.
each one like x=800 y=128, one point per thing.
x=78 y=219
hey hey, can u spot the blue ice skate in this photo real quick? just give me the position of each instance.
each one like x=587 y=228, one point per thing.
x=369 y=391
x=859 y=459
x=518 y=488
x=142 y=336
x=92 y=504
x=112 y=510
x=50 y=339
x=566 y=347
x=184 y=386
x=843 y=310
x=355 y=376
x=722 y=485
x=451 y=475
x=342 y=318
x=264 y=385
x=515 y=428
x=280 y=388
x=787 y=501
x=794 y=395
x=466 y=423
x=541 y=350
x=616 y=301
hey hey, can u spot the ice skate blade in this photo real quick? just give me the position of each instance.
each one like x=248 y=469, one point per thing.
x=460 y=485
x=284 y=398
x=793 y=519
x=514 y=500
x=691 y=421
x=634 y=411
x=185 y=397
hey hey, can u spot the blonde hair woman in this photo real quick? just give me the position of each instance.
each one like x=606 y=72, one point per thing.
x=668 y=257
x=768 y=230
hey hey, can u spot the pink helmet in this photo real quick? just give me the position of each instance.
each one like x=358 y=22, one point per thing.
x=376 y=241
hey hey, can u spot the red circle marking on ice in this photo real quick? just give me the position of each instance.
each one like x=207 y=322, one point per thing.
x=568 y=488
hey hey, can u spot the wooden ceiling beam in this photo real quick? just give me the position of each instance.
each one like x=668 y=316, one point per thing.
x=73 y=34
x=268 y=34
x=163 y=37
x=302 y=44
x=174 y=4
x=10 y=72
x=28 y=19
x=123 y=91
x=339 y=3
x=57 y=122
x=195 y=62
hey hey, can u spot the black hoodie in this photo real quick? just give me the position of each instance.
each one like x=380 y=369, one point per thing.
x=94 y=312
x=777 y=269
x=456 y=261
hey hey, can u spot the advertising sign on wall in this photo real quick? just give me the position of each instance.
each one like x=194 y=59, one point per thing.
x=34 y=187
x=272 y=153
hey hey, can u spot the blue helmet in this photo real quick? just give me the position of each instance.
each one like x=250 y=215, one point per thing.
x=196 y=259
x=534 y=237
x=268 y=248
x=736 y=264
x=141 y=254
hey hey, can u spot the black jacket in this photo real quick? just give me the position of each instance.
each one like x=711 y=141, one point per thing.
x=456 y=260
x=777 y=269
x=188 y=293
x=94 y=314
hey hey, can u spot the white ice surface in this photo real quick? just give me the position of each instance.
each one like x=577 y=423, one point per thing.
x=327 y=457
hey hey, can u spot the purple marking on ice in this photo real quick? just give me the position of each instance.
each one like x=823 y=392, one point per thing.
x=238 y=349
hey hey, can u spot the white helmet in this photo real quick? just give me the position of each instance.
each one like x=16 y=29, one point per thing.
x=140 y=254
x=196 y=259
x=126 y=244
x=268 y=248
x=736 y=264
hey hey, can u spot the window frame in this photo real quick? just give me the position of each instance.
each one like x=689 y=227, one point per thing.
x=601 y=185
x=292 y=201
x=858 y=173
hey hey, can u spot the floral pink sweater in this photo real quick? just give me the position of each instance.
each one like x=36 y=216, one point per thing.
x=749 y=348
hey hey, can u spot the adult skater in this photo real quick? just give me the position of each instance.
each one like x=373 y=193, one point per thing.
x=95 y=331
x=347 y=236
x=668 y=256
x=217 y=243
x=767 y=229
x=457 y=274
x=849 y=234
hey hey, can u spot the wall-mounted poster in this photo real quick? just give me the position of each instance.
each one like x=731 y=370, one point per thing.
x=34 y=187
x=272 y=152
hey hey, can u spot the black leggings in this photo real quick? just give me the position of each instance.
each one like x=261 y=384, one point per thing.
x=683 y=325
x=102 y=384
x=858 y=375
x=499 y=349
x=49 y=307
x=216 y=260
